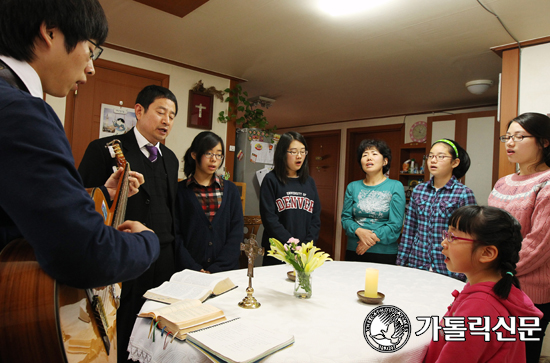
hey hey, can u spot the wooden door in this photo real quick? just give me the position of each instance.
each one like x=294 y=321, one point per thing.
x=391 y=134
x=324 y=156
x=112 y=84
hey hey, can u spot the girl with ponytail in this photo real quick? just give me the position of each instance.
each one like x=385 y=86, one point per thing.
x=483 y=243
x=526 y=195
x=431 y=205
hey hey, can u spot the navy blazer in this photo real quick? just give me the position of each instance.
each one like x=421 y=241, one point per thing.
x=43 y=200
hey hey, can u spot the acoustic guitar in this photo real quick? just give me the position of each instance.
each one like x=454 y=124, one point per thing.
x=45 y=321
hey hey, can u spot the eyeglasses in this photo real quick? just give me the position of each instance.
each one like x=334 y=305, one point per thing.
x=439 y=157
x=516 y=138
x=209 y=155
x=94 y=54
x=295 y=152
x=451 y=237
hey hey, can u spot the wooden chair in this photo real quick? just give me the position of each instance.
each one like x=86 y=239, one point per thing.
x=242 y=191
x=251 y=226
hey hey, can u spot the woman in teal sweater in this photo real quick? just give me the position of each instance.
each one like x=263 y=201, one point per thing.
x=373 y=207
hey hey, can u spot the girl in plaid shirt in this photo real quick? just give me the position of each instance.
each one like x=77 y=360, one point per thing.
x=431 y=205
x=209 y=226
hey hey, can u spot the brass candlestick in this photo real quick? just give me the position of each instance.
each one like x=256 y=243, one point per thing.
x=251 y=250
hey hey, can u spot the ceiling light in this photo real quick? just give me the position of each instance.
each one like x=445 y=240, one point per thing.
x=346 y=7
x=479 y=86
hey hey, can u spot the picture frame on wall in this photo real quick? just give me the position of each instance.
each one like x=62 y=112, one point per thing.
x=200 y=110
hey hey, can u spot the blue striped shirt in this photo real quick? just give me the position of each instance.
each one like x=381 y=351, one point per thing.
x=427 y=216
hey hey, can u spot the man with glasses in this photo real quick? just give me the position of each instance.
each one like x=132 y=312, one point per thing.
x=49 y=47
x=155 y=108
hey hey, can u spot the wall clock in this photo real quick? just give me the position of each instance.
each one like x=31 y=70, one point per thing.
x=418 y=131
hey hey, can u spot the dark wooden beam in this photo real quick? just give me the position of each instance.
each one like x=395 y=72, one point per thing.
x=175 y=7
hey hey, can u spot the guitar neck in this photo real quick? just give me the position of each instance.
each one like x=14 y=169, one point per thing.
x=120 y=200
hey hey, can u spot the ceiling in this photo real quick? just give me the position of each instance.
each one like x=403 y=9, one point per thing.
x=401 y=57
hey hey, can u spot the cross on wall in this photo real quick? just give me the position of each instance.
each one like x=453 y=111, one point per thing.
x=200 y=107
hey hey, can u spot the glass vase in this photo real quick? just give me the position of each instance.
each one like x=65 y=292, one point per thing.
x=302 y=285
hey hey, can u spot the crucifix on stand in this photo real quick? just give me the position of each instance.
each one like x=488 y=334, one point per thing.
x=251 y=250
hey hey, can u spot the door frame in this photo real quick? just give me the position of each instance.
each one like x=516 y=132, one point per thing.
x=101 y=63
x=337 y=133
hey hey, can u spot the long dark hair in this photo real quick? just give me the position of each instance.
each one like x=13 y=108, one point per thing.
x=203 y=142
x=379 y=145
x=280 y=158
x=491 y=226
x=463 y=156
x=537 y=125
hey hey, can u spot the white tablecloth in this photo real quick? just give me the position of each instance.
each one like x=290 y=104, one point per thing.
x=328 y=327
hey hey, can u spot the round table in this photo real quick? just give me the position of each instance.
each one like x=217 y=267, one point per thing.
x=328 y=327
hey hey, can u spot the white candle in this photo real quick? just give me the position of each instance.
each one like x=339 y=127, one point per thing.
x=371 y=282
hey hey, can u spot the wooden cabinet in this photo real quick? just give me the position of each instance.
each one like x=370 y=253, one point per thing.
x=416 y=151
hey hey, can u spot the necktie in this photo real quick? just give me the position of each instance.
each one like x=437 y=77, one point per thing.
x=153 y=152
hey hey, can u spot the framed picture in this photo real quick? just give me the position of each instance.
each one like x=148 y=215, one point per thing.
x=200 y=111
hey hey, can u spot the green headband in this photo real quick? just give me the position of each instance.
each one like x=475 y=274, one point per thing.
x=450 y=143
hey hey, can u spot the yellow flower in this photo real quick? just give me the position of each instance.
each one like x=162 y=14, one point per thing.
x=304 y=258
x=277 y=250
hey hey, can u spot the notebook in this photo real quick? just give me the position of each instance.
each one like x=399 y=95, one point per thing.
x=238 y=341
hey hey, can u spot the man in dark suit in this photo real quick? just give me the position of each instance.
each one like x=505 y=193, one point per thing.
x=49 y=47
x=156 y=107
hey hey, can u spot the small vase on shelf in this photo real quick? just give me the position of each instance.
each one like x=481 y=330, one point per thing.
x=302 y=285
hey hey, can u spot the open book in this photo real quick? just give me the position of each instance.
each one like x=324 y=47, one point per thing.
x=238 y=341
x=189 y=284
x=184 y=316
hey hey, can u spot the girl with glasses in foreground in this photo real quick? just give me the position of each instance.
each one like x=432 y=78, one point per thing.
x=526 y=195
x=209 y=225
x=431 y=205
x=483 y=243
x=289 y=204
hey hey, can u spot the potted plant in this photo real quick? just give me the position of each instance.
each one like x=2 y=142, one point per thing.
x=250 y=117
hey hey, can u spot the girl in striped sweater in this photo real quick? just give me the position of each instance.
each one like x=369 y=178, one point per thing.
x=526 y=195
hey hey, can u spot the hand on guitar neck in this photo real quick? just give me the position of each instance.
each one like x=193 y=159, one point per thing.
x=135 y=179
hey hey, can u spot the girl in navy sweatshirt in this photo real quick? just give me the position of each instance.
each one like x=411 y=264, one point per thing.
x=289 y=204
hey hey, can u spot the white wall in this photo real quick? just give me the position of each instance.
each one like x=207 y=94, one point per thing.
x=534 y=96
x=534 y=86
x=181 y=81
x=479 y=178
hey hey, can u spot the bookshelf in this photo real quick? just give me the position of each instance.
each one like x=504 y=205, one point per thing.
x=416 y=151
